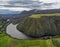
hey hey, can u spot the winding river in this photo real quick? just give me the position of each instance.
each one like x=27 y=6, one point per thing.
x=13 y=32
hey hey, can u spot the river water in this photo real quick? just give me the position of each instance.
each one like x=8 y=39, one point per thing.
x=13 y=32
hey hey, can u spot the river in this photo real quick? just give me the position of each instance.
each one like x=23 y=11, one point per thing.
x=13 y=32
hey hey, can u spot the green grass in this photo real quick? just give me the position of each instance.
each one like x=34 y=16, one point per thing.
x=40 y=15
x=7 y=41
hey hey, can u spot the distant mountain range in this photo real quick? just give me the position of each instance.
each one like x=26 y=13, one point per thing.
x=47 y=11
x=3 y=11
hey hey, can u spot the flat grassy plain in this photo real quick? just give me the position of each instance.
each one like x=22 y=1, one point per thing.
x=7 y=41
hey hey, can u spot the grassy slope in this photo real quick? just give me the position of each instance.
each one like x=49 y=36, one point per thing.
x=10 y=42
x=6 y=41
x=36 y=25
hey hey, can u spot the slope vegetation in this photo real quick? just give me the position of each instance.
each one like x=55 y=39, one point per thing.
x=38 y=25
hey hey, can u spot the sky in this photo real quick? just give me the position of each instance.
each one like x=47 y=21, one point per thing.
x=20 y=5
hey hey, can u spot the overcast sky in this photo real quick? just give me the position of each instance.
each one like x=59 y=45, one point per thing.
x=19 y=5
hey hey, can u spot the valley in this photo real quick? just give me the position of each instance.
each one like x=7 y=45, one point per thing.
x=38 y=26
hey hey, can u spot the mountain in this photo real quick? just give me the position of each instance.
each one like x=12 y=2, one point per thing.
x=3 y=11
x=21 y=16
x=35 y=24
x=25 y=13
x=40 y=25
x=47 y=11
x=16 y=17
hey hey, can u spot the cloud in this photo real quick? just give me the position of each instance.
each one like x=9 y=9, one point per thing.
x=20 y=3
x=15 y=8
x=49 y=1
x=30 y=4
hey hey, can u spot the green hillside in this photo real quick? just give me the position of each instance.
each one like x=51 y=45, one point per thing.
x=38 y=25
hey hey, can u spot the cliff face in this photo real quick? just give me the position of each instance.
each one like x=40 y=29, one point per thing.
x=37 y=27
